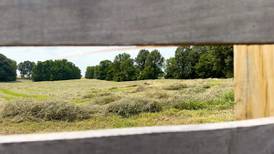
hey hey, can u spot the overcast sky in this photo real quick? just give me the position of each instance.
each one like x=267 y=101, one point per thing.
x=80 y=56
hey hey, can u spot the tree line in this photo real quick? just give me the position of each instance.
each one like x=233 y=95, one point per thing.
x=147 y=65
x=50 y=70
x=189 y=62
x=55 y=70
x=200 y=62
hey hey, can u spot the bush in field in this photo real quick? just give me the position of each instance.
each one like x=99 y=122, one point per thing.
x=132 y=106
x=47 y=111
x=55 y=70
x=7 y=69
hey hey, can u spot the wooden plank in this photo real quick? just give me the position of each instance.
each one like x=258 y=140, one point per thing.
x=135 y=22
x=240 y=137
x=254 y=85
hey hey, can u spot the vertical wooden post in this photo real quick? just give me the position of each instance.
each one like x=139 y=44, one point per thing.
x=254 y=80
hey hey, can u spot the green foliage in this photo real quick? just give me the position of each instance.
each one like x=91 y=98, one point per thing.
x=186 y=58
x=171 y=68
x=90 y=72
x=47 y=111
x=123 y=68
x=148 y=66
x=7 y=69
x=132 y=106
x=152 y=68
x=55 y=70
x=141 y=59
x=190 y=62
x=201 y=62
x=25 y=69
x=102 y=100
x=105 y=71
x=215 y=61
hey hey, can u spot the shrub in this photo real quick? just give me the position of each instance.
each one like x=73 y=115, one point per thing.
x=48 y=111
x=132 y=106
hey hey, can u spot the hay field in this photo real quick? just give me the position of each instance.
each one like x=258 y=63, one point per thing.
x=93 y=104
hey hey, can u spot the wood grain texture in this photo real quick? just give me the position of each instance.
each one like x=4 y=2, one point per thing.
x=135 y=22
x=254 y=77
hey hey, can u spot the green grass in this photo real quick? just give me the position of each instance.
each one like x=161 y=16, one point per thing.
x=9 y=95
x=180 y=102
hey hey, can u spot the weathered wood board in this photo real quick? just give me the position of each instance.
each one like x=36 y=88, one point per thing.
x=254 y=79
x=135 y=22
x=241 y=137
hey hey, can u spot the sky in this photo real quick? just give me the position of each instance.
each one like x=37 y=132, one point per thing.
x=80 y=56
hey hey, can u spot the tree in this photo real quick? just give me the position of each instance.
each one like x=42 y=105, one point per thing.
x=7 y=69
x=201 y=62
x=55 y=70
x=152 y=66
x=171 y=68
x=90 y=72
x=186 y=59
x=215 y=62
x=25 y=69
x=141 y=59
x=105 y=71
x=123 y=68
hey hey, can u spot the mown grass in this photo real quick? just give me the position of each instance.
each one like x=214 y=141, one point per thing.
x=9 y=95
x=167 y=117
x=28 y=107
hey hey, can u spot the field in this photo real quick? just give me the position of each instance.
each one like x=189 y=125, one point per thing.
x=37 y=107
